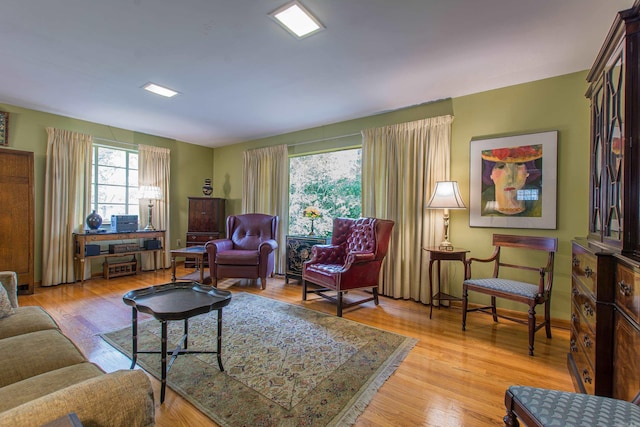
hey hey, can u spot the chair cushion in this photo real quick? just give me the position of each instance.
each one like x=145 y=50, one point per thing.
x=238 y=257
x=323 y=274
x=512 y=286
x=560 y=408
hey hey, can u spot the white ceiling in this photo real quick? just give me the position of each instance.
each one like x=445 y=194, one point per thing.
x=242 y=77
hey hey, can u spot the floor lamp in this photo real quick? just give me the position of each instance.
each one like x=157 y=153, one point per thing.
x=446 y=196
x=150 y=193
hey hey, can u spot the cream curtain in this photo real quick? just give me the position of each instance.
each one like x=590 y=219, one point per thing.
x=154 y=168
x=266 y=190
x=67 y=200
x=400 y=166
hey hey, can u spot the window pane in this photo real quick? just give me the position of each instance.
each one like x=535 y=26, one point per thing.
x=133 y=161
x=112 y=175
x=112 y=157
x=111 y=194
x=331 y=182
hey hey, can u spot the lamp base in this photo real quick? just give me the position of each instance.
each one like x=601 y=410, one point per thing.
x=149 y=227
x=446 y=246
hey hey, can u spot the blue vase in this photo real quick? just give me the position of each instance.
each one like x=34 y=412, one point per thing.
x=94 y=221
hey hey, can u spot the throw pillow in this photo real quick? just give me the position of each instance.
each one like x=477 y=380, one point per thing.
x=6 y=309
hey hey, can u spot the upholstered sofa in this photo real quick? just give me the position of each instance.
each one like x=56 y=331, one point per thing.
x=44 y=376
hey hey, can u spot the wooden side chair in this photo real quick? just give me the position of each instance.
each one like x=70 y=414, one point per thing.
x=541 y=407
x=532 y=294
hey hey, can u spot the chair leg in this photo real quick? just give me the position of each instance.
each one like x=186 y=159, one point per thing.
x=304 y=290
x=547 y=317
x=375 y=296
x=339 y=304
x=263 y=282
x=532 y=327
x=510 y=420
x=493 y=308
x=465 y=295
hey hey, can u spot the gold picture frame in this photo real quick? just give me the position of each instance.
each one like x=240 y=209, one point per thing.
x=4 y=128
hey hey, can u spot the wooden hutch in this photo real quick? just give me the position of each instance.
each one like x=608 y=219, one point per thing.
x=605 y=323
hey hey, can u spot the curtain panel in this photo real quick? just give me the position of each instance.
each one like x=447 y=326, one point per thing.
x=154 y=168
x=265 y=189
x=67 y=201
x=400 y=166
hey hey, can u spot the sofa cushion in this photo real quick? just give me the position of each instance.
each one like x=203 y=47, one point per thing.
x=25 y=320
x=40 y=385
x=6 y=309
x=28 y=355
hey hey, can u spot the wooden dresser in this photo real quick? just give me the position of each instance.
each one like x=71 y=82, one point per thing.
x=604 y=354
x=206 y=222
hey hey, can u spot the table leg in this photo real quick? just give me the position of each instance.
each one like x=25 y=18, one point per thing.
x=173 y=268
x=163 y=350
x=186 y=333
x=430 y=287
x=219 y=347
x=134 y=335
x=200 y=262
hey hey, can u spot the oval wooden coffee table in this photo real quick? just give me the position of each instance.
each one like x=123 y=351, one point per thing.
x=175 y=301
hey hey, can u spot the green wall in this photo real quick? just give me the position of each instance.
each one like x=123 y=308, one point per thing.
x=553 y=104
x=190 y=164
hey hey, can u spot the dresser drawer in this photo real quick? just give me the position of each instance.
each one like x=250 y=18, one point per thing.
x=584 y=305
x=201 y=237
x=583 y=336
x=584 y=267
x=584 y=371
x=628 y=291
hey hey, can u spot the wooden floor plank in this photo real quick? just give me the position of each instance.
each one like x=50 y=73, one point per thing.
x=451 y=377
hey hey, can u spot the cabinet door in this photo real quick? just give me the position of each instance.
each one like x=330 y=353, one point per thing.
x=205 y=214
x=626 y=370
x=17 y=216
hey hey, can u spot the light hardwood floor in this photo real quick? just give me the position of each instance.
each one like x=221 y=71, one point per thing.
x=450 y=378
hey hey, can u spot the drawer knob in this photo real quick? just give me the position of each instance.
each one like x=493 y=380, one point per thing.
x=587 y=341
x=586 y=377
x=575 y=261
x=588 y=311
x=624 y=288
x=573 y=346
x=588 y=272
x=574 y=319
x=575 y=292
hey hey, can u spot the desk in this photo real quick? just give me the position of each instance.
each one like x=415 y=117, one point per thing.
x=436 y=255
x=81 y=239
x=196 y=252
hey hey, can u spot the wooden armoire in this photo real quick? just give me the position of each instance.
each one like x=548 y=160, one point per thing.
x=206 y=222
x=17 y=216
x=604 y=353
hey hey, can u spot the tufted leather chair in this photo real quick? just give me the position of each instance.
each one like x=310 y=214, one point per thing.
x=248 y=251
x=352 y=260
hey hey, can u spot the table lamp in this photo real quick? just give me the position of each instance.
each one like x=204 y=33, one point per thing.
x=446 y=196
x=151 y=193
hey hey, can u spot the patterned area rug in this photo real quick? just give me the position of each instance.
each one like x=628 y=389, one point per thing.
x=284 y=365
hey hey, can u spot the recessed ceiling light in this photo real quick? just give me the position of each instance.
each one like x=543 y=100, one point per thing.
x=297 y=20
x=160 y=90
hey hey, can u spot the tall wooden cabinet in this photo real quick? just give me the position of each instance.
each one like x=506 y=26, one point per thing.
x=206 y=222
x=17 y=216
x=605 y=330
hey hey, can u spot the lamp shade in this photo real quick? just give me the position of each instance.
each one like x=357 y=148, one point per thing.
x=150 y=192
x=446 y=195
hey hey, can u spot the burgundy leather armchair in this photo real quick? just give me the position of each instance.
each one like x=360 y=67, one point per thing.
x=352 y=260
x=248 y=251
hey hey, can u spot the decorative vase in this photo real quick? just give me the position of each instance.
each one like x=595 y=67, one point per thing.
x=207 y=189
x=94 y=221
x=313 y=233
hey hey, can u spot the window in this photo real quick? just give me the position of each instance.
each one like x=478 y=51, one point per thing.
x=331 y=182
x=114 y=182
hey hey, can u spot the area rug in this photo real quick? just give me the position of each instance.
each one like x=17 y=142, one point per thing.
x=284 y=365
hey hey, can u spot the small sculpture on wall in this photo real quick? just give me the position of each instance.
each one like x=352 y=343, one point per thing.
x=207 y=189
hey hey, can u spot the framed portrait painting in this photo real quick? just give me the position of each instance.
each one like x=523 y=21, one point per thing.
x=513 y=181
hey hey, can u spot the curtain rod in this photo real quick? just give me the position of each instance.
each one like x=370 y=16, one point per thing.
x=128 y=144
x=323 y=139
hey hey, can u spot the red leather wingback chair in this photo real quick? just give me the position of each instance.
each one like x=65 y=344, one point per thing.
x=352 y=260
x=248 y=251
